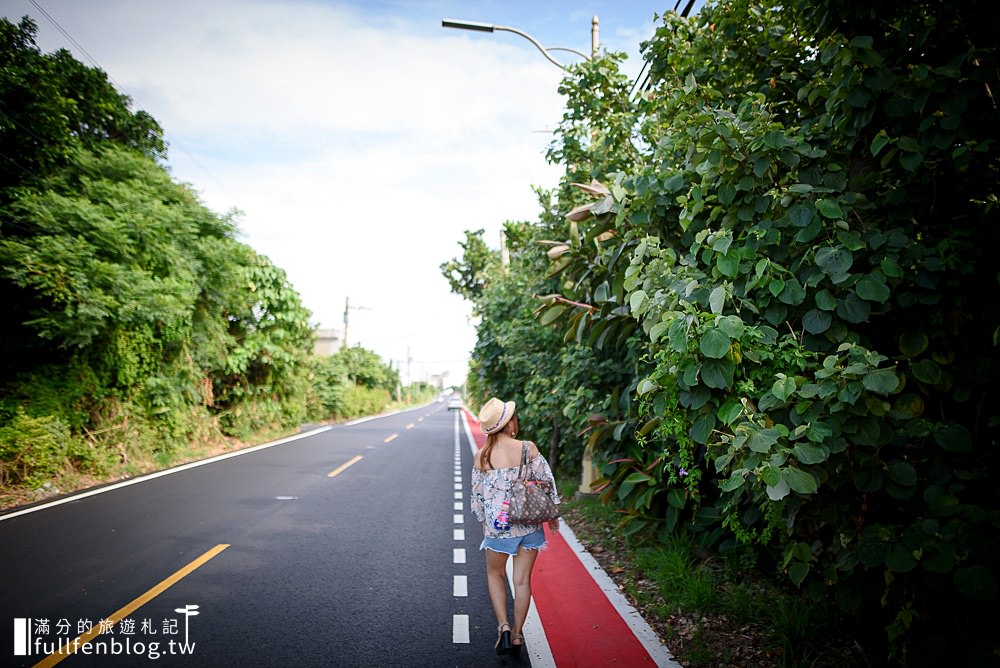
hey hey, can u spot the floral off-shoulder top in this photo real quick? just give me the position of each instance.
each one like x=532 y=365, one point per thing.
x=491 y=488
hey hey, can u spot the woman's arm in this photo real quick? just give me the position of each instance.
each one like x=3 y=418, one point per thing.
x=477 y=494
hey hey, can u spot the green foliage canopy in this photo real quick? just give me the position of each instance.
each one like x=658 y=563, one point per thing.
x=785 y=253
x=353 y=382
x=51 y=104
x=469 y=275
x=138 y=318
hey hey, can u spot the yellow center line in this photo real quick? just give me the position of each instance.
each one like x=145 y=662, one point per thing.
x=409 y=426
x=72 y=646
x=344 y=466
x=390 y=438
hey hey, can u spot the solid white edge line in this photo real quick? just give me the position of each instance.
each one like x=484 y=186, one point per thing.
x=657 y=651
x=369 y=418
x=468 y=434
x=191 y=465
x=535 y=640
x=537 y=644
x=160 y=474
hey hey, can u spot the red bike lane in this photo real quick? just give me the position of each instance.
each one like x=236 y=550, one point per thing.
x=585 y=618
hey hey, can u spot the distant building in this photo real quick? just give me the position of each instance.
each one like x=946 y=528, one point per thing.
x=327 y=341
x=437 y=380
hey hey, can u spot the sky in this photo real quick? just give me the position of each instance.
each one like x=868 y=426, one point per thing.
x=357 y=139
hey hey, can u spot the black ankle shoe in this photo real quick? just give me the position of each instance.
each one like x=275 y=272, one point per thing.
x=516 y=647
x=503 y=640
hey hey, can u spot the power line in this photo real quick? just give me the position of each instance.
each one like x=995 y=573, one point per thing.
x=641 y=84
x=124 y=92
x=72 y=41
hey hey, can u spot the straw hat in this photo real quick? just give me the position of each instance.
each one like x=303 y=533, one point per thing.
x=495 y=414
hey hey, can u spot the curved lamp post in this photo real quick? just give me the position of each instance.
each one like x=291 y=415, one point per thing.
x=590 y=472
x=489 y=27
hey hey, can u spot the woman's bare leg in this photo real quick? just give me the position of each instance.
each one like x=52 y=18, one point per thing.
x=496 y=582
x=523 y=563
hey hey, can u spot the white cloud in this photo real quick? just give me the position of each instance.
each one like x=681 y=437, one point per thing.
x=358 y=150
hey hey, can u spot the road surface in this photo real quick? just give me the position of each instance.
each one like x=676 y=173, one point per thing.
x=347 y=546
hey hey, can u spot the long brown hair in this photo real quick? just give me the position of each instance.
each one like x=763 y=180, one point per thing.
x=491 y=440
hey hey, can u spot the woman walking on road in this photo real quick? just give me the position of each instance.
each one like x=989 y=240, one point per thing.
x=496 y=468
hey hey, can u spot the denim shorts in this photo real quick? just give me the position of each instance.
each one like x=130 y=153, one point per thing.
x=533 y=541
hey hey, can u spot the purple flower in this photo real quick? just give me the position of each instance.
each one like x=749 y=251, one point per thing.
x=682 y=472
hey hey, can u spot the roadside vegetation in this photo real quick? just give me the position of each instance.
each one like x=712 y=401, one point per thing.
x=709 y=610
x=759 y=301
x=140 y=332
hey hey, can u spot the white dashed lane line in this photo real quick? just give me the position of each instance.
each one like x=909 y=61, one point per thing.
x=460 y=629
x=460 y=583
x=460 y=586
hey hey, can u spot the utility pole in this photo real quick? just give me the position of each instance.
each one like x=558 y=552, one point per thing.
x=347 y=312
x=399 y=380
x=409 y=381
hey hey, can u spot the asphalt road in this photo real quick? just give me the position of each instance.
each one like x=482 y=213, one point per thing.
x=288 y=566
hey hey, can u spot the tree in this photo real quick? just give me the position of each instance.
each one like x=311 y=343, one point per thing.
x=782 y=241
x=354 y=382
x=365 y=368
x=469 y=275
x=52 y=103
x=138 y=320
x=261 y=380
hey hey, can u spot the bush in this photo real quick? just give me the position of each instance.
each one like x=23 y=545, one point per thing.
x=34 y=449
x=359 y=401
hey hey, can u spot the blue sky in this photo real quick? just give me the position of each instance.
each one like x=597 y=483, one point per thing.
x=358 y=139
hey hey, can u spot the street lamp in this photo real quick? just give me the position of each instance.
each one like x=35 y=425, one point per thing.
x=590 y=472
x=478 y=26
x=489 y=27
